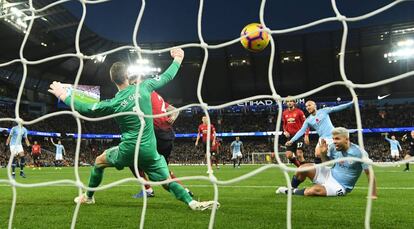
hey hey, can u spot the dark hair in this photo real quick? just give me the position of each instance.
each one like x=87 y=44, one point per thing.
x=118 y=73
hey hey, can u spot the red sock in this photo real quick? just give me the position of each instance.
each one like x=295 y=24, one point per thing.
x=142 y=174
x=173 y=177
x=295 y=161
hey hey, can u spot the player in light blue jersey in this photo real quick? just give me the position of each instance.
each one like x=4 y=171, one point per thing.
x=236 y=148
x=320 y=121
x=338 y=180
x=17 y=133
x=395 y=147
x=60 y=152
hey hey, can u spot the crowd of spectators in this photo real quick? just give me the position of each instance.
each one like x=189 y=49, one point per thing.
x=185 y=151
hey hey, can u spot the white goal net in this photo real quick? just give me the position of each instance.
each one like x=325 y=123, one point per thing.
x=345 y=82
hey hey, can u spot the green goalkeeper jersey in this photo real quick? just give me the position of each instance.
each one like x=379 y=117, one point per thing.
x=130 y=125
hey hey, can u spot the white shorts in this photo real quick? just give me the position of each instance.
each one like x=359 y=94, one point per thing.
x=59 y=157
x=236 y=155
x=395 y=153
x=16 y=149
x=324 y=177
x=327 y=140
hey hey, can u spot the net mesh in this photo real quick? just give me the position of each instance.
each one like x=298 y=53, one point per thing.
x=32 y=12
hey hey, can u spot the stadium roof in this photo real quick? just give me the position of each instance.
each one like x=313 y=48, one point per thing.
x=54 y=32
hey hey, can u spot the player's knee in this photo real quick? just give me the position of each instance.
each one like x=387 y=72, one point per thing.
x=289 y=154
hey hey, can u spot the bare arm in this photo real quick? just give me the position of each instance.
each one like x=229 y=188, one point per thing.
x=198 y=137
x=51 y=139
x=374 y=190
x=404 y=138
x=27 y=141
x=214 y=136
x=8 y=140
x=173 y=116
x=324 y=150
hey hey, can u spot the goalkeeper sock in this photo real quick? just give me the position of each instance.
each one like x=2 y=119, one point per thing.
x=299 y=192
x=95 y=179
x=22 y=162
x=295 y=182
x=179 y=192
x=295 y=161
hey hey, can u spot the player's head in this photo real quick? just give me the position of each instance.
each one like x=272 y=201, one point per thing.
x=60 y=142
x=237 y=138
x=412 y=134
x=290 y=103
x=393 y=137
x=310 y=106
x=204 y=119
x=340 y=137
x=119 y=73
x=35 y=142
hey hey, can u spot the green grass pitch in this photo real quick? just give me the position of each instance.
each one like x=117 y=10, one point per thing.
x=251 y=203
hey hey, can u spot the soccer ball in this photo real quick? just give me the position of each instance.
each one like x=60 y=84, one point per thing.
x=256 y=40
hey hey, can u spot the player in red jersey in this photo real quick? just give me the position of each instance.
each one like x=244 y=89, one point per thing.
x=215 y=151
x=293 y=119
x=36 y=152
x=202 y=130
x=165 y=136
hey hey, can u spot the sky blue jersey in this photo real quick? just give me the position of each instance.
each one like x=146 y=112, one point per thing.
x=320 y=122
x=347 y=172
x=17 y=134
x=236 y=146
x=394 y=144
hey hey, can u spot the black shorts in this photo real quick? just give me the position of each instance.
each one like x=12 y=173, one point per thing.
x=36 y=156
x=297 y=145
x=165 y=142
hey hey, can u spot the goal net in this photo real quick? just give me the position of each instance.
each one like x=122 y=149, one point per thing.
x=32 y=14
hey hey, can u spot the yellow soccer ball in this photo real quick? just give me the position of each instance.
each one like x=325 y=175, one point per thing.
x=256 y=40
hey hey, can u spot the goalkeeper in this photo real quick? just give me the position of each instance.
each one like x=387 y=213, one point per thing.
x=123 y=155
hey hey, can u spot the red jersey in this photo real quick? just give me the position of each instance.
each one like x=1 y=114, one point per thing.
x=293 y=121
x=36 y=149
x=215 y=147
x=202 y=128
x=159 y=106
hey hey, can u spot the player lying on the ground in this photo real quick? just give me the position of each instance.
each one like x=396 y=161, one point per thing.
x=320 y=121
x=338 y=180
x=122 y=155
x=410 y=153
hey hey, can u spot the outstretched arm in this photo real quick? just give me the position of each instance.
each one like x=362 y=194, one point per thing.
x=51 y=139
x=169 y=74
x=65 y=94
x=300 y=132
x=339 y=107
